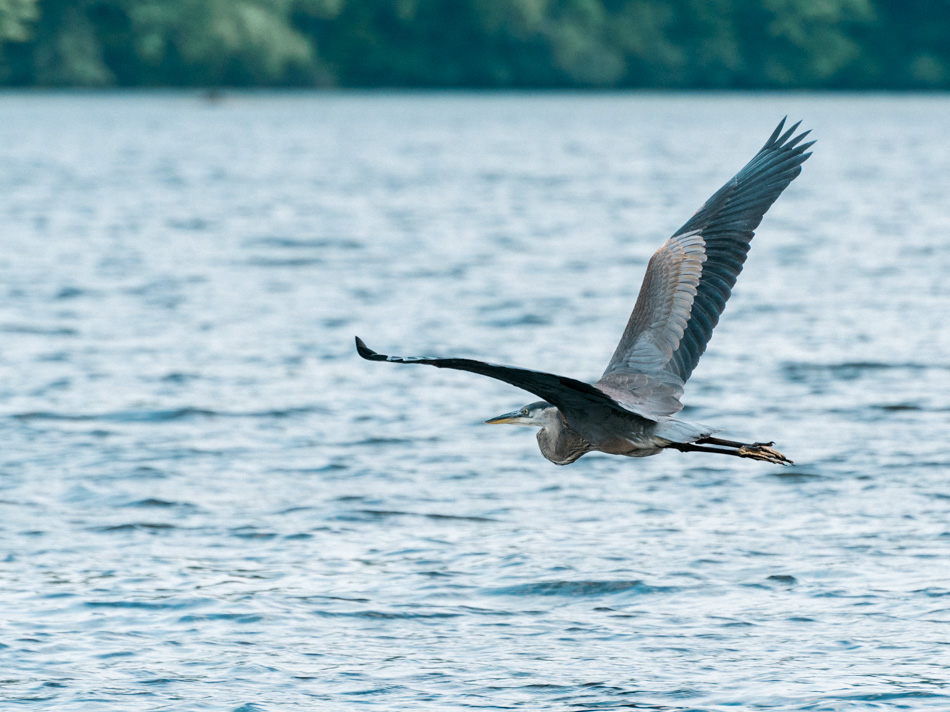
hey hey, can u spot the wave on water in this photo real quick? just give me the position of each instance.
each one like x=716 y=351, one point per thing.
x=578 y=589
x=300 y=243
x=164 y=415
x=385 y=513
x=798 y=371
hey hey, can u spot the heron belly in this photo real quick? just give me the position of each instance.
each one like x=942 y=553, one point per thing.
x=651 y=439
x=633 y=447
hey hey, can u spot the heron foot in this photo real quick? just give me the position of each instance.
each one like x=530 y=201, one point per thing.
x=765 y=452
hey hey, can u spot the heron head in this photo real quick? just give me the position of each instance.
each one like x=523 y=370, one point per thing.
x=535 y=414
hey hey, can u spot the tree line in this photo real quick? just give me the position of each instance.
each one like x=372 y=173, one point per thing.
x=708 y=44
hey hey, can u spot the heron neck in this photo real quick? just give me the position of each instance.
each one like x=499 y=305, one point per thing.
x=559 y=443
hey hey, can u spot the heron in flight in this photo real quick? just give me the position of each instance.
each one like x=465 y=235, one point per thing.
x=630 y=410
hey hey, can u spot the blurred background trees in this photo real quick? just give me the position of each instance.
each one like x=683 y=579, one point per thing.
x=883 y=44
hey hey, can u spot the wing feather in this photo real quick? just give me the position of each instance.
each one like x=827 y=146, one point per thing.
x=690 y=278
x=578 y=401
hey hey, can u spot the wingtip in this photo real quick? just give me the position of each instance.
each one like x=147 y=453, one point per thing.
x=776 y=132
x=783 y=139
x=365 y=351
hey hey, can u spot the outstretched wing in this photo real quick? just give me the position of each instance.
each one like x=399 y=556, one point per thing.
x=575 y=399
x=691 y=276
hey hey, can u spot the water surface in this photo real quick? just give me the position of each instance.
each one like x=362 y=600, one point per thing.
x=208 y=502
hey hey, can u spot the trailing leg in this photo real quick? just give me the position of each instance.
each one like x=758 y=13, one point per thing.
x=755 y=451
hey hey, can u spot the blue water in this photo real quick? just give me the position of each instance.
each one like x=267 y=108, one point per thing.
x=208 y=502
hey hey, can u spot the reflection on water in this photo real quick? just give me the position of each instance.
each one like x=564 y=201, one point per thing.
x=207 y=501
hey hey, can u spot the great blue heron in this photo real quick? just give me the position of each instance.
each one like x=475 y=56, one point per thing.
x=630 y=410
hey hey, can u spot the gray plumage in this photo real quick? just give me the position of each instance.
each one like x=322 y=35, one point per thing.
x=630 y=410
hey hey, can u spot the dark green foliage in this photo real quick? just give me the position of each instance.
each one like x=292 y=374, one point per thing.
x=477 y=43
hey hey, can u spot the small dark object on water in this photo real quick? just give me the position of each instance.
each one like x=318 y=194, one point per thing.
x=629 y=411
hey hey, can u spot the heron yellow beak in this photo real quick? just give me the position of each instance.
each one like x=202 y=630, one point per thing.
x=512 y=417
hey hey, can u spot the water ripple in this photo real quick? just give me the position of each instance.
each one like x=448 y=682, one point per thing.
x=579 y=588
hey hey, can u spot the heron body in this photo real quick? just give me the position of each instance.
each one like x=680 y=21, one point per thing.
x=630 y=410
x=562 y=445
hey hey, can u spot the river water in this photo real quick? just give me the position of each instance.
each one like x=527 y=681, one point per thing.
x=208 y=502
